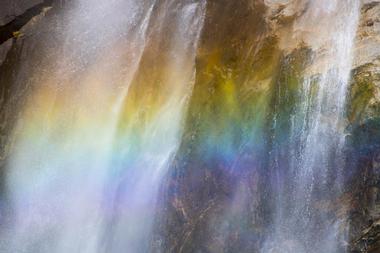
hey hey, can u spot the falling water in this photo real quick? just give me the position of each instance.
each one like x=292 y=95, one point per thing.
x=317 y=135
x=101 y=125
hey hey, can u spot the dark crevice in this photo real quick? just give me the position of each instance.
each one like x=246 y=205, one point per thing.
x=7 y=31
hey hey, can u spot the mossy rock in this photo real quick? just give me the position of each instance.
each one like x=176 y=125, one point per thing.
x=364 y=95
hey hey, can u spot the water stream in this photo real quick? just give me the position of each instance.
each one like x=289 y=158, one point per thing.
x=316 y=145
x=97 y=133
x=109 y=84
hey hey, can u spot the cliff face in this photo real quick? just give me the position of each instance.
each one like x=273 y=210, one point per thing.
x=266 y=58
x=11 y=9
x=364 y=109
x=251 y=54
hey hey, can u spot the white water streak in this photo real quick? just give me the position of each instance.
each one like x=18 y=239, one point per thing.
x=58 y=177
x=316 y=159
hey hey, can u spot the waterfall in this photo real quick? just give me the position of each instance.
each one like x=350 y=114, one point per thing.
x=306 y=187
x=188 y=126
x=100 y=126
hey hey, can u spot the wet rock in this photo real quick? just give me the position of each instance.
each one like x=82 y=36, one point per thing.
x=10 y=9
x=364 y=117
x=4 y=49
x=367 y=47
x=369 y=242
x=364 y=96
x=12 y=28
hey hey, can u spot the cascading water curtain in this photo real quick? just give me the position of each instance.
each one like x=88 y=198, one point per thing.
x=181 y=126
x=110 y=85
x=315 y=148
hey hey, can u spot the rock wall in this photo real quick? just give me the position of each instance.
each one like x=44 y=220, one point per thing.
x=364 y=116
x=10 y=9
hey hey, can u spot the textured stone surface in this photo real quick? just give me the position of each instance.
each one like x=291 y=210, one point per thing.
x=368 y=38
x=9 y=9
x=364 y=116
x=4 y=49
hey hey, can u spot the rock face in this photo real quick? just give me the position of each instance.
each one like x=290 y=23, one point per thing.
x=364 y=116
x=10 y=9
x=249 y=51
